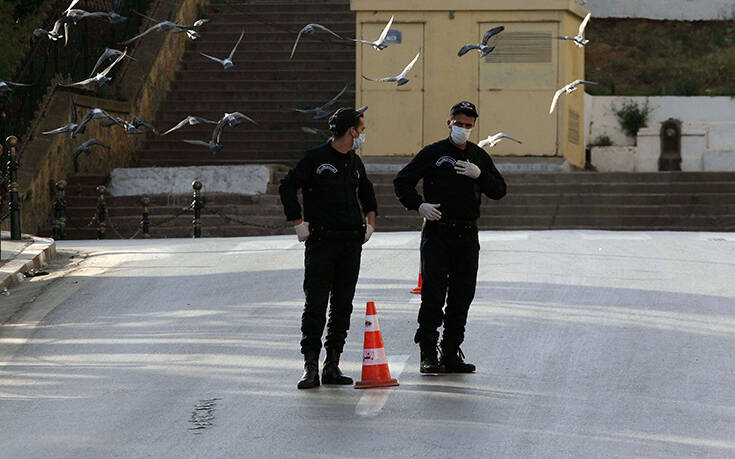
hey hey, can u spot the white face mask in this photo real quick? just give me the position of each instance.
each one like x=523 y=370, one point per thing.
x=460 y=135
x=358 y=142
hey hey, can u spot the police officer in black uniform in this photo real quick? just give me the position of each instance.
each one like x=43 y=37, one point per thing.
x=339 y=216
x=456 y=173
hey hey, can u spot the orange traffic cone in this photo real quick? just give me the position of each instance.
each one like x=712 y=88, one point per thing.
x=375 y=371
x=417 y=290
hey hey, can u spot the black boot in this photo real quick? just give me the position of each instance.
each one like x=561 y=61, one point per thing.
x=452 y=359
x=311 y=371
x=429 y=359
x=331 y=373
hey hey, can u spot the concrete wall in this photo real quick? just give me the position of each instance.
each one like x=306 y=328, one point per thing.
x=688 y=10
x=708 y=132
x=511 y=97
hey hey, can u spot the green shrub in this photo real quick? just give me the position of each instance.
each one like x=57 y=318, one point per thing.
x=632 y=116
x=602 y=141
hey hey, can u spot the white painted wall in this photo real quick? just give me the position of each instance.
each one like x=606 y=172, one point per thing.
x=688 y=10
x=708 y=130
x=177 y=180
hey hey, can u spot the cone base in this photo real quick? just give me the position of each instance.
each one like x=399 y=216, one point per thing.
x=369 y=384
x=416 y=291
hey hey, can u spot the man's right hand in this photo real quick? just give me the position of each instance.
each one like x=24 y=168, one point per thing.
x=430 y=211
x=302 y=230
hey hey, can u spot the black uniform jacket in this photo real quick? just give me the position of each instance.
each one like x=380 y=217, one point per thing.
x=459 y=195
x=336 y=190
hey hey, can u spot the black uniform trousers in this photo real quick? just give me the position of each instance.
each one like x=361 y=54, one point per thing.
x=330 y=275
x=449 y=262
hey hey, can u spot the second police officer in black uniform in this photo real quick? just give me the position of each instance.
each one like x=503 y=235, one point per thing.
x=339 y=216
x=456 y=173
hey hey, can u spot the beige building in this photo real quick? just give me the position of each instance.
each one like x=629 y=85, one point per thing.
x=512 y=87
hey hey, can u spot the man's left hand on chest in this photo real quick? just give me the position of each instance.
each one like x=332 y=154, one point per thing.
x=467 y=168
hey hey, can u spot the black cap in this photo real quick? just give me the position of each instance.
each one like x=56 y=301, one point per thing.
x=468 y=108
x=344 y=117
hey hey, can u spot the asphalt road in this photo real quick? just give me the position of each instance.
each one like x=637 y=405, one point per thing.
x=588 y=344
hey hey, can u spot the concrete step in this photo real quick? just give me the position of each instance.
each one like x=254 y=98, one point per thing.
x=259 y=54
x=173 y=201
x=259 y=46
x=282 y=16
x=251 y=70
x=585 y=188
x=270 y=79
x=237 y=10
x=321 y=92
x=199 y=67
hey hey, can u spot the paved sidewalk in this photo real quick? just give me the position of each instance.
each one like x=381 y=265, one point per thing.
x=17 y=257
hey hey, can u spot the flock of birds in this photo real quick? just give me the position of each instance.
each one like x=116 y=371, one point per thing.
x=72 y=16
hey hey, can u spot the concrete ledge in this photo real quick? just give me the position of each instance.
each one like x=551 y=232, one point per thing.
x=614 y=158
x=36 y=255
x=246 y=180
x=718 y=161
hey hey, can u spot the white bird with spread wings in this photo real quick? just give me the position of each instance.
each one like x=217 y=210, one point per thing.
x=309 y=28
x=378 y=44
x=494 y=139
x=568 y=89
x=400 y=79
x=579 y=40
x=226 y=62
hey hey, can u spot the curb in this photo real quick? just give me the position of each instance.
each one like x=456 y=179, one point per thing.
x=35 y=256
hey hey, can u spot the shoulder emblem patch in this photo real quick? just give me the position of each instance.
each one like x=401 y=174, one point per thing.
x=326 y=167
x=445 y=159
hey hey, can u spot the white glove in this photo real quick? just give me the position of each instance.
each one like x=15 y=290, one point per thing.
x=467 y=168
x=430 y=211
x=369 y=230
x=302 y=231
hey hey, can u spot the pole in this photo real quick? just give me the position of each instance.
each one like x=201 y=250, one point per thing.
x=197 y=205
x=11 y=142
x=60 y=211
x=101 y=212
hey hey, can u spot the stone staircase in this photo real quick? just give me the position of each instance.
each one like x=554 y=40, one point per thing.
x=675 y=201
x=264 y=84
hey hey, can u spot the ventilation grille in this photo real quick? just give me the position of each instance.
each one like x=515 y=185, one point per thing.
x=521 y=48
x=573 y=127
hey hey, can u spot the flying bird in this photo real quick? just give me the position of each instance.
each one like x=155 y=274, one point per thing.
x=568 y=89
x=229 y=119
x=322 y=112
x=101 y=78
x=107 y=55
x=114 y=16
x=51 y=35
x=227 y=62
x=401 y=78
x=579 y=40
x=71 y=125
x=323 y=134
x=190 y=121
x=86 y=147
x=93 y=114
x=162 y=26
x=73 y=4
x=482 y=47
x=378 y=44
x=494 y=139
x=7 y=86
x=131 y=127
x=309 y=28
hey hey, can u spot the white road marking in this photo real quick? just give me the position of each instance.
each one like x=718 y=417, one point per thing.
x=373 y=400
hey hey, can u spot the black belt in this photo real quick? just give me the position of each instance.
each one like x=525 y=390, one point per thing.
x=320 y=232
